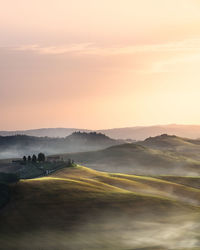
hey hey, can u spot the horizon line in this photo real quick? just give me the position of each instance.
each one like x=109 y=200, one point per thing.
x=88 y=129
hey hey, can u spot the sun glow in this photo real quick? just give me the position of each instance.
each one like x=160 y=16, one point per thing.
x=69 y=67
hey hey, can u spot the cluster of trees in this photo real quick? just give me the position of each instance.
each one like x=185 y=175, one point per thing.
x=40 y=158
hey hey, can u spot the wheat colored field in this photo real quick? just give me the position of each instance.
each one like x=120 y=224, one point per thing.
x=80 y=208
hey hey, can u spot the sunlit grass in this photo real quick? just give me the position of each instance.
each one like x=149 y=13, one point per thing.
x=78 y=202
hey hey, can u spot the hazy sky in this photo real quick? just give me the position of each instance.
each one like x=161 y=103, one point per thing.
x=99 y=63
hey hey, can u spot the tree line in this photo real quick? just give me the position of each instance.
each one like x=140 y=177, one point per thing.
x=40 y=158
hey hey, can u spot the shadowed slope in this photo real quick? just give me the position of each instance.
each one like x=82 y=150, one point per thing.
x=137 y=159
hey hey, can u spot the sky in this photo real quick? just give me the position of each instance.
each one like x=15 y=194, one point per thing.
x=99 y=64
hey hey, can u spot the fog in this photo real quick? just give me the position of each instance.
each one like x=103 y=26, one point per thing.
x=140 y=169
x=20 y=145
x=18 y=152
x=117 y=233
x=124 y=164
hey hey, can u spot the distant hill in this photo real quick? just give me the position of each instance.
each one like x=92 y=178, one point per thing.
x=163 y=154
x=138 y=159
x=141 y=133
x=169 y=141
x=19 y=145
x=181 y=146
x=43 y=132
x=134 y=133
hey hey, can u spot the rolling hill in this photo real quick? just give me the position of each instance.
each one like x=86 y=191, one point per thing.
x=19 y=145
x=80 y=208
x=137 y=159
x=181 y=146
x=160 y=155
x=172 y=142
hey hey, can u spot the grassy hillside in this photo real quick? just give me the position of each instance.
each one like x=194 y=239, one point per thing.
x=80 y=208
x=191 y=181
x=167 y=141
x=4 y=195
x=182 y=146
x=137 y=159
x=161 y=155
x=6 y=179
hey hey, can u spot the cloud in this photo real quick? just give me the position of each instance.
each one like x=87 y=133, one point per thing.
x=53 y=50
x=143 y=59
x=189 y=45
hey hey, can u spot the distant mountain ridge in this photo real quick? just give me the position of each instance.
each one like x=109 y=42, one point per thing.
x=134 y=133
x=42 y=132
x=143 y=132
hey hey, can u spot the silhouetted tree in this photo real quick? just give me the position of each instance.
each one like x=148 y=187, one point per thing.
x=24 y=159
x=34 y=158
x=41 y=157
x=29 y=158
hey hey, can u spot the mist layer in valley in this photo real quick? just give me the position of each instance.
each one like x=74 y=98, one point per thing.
x=112 y=233
x=161 y=155
x=19 y=145
x=144 y=192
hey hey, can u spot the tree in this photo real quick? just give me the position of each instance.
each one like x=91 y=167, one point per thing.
x=29 y=158
x=41 y=157
x=24 y=159
x=34 y=158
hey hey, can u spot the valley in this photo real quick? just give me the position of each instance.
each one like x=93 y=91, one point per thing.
x=124 y=196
